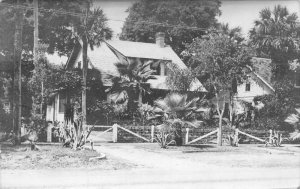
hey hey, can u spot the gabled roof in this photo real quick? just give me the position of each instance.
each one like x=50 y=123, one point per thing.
x=262 y=66
x=264 y=81
x=146 y=50
x=261 y=80
x=106 y=56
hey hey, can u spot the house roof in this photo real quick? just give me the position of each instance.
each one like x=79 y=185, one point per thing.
x=262 y=66
x=146 y=50
x=261 y=79
x=264 y=81
x=104 y=59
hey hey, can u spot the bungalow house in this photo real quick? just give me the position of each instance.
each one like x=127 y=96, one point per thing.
x=257 y=84
x=103 y=58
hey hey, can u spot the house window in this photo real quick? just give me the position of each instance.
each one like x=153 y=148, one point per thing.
x=248 y=86
x=62 y=101
x=156 y=68
x=166 y=70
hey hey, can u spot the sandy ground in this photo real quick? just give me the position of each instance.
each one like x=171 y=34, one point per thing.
x=53 y=157
x=186 y=167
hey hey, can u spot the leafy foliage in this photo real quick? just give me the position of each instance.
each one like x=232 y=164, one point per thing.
x=233 y=33
x=277 y=107
x=216 y=59
x=6 y=120
x=175 y=112
x=275 y=35
x=294 y=119
x=101 y=110
x=179 y=79
x=131 y=83
x=59 y=31
x=140 y=24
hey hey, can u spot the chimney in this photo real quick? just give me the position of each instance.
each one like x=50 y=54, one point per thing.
x=160 y=39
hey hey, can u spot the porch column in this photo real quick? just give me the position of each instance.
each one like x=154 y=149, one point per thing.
x=49 y=132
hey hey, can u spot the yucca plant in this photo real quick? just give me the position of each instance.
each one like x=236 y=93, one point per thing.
x=176 y=113
x=294 y=120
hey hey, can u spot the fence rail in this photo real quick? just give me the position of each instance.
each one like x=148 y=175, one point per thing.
x=199 y=138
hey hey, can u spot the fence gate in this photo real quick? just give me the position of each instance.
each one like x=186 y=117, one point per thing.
x=199 y=138
x=101 y=133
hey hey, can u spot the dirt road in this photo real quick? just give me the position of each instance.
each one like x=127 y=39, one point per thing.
x=254 y=168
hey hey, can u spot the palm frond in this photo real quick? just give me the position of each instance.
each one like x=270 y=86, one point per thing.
x=265 y=14
x=292 y=119
x=295 y=135
x=119 y=97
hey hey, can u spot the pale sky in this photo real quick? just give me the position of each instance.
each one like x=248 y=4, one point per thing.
x=236 y=13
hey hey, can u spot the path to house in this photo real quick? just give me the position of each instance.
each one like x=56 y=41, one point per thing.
x=243 y=167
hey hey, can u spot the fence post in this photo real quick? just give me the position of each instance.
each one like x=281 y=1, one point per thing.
x=270 y=137
x=219 y=137
x=115 y=133
x=152 y=133
x=236 y=132
x=236 y=137
x=49 y=133
x=187 y=135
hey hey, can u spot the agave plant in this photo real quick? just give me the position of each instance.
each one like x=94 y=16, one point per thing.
x=176 y=112
x=294 y=120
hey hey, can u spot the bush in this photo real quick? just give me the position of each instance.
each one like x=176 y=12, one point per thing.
x=36 y=123
x=6 y=121
x=100 y=111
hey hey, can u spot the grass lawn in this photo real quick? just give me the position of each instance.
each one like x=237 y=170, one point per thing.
x=55 y=156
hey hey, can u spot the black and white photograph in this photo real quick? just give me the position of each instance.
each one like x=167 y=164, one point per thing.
x=144 y=94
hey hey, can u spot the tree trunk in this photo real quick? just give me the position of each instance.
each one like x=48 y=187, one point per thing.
x=84 y=72
x=220 y=131
x=221 y=113
x=84 y=75
x=17 y=65
x=178 y=136
x=140 y=98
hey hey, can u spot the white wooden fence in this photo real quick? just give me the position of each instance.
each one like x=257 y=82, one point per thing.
x=199 y=138
x=115 y=128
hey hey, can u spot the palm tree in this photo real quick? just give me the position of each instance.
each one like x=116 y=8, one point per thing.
x=93 y=32
x=274 y=35
x=131 y=83
x=234 y=33
x=177 y=112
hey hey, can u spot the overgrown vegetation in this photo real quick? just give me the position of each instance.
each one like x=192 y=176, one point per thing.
x=176 y=113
